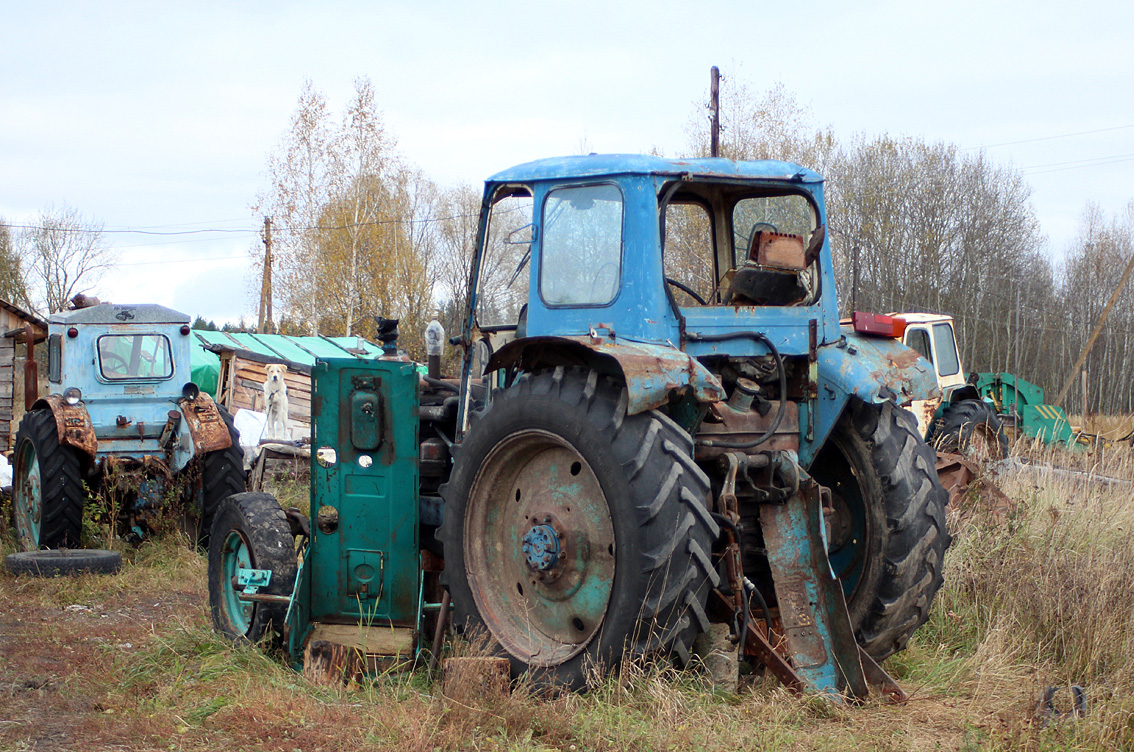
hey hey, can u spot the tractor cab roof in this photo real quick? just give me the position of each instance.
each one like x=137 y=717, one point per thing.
x=110 y=313
x=603 y=165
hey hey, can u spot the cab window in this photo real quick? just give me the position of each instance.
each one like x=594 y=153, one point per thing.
x=946 y=347
x=502 y=282
x=918 y=339
x=689 y=268
x=581 y=248
x=134 y=356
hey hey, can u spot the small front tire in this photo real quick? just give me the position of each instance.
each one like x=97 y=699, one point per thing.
x=250 y=531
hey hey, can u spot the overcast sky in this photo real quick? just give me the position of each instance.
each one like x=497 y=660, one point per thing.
x=150 y=116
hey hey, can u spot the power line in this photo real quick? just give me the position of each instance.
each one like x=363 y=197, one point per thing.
x=1047 y=138
x=246 y=231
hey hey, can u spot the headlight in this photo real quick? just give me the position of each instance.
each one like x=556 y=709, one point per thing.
x=190 y=391
x=72 y=395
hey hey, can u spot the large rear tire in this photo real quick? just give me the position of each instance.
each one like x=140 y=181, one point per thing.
x=887 y=537
x=970 y=427
x=47 y=487
x=250 y=531
x=576 y=536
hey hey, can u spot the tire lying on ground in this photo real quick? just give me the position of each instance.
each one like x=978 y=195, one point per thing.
x=971 y=427
x=575 y=535
x=250 y=531
x=64 y=561
x=887 y=536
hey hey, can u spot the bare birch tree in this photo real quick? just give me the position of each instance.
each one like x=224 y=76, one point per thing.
x=65 y=254
x=300 y=184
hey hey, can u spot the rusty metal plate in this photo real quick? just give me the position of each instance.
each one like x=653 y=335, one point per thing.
x=206 y=427
x=73 y=424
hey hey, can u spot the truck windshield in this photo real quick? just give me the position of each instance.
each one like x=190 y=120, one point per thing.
x=134 y=356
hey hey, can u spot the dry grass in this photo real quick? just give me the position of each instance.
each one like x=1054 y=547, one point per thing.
x=1040 y=599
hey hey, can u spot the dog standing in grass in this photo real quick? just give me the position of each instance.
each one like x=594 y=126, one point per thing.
x=275 y=403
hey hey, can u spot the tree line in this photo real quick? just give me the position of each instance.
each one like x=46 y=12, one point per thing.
x=914 y=225
x=921 y=226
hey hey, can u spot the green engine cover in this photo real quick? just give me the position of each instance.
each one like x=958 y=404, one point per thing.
x=363 y=563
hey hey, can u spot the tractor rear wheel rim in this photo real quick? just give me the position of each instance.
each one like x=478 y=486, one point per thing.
x=29 y=496
x=236 y=556
x=535 y=488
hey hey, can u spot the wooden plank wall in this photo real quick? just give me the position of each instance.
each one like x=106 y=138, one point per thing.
x=247 y=390
x=7 y=390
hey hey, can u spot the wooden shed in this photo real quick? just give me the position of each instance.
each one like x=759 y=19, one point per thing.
x=15 y=326
x=243 y=358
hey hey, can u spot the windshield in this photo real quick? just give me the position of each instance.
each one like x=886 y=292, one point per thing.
x=134 y=356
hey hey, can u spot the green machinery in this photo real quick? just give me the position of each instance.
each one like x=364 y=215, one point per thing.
x=360 y=575
x=1010 y=394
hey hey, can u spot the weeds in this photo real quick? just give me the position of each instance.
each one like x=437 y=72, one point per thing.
x=1034 y=599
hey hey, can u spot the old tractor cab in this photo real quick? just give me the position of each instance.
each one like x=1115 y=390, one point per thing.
x=124 y=420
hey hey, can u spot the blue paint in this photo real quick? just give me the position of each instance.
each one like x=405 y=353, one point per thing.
x=541 y=547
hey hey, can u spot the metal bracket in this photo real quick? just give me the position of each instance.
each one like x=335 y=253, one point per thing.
x=251 y=580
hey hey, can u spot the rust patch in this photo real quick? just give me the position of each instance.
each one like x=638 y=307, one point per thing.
x=206 y=427
x=73 y=425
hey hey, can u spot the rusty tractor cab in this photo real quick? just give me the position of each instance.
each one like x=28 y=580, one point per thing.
x=660 y=424
x=123 y=421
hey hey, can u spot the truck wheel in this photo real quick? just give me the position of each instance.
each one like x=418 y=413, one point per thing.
x=971 y=427
x=250 y=531
x=887 y=535
x=576 y=536
x=47 y=487
x=222 y=475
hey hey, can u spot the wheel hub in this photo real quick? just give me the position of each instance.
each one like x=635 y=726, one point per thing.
x=541 y=547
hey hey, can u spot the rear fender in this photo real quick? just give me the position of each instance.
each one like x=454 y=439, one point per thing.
x=652 y=373
x=72 y=424
x=207 y=429
x=871 y=369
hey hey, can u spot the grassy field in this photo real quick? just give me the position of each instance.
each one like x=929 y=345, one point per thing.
x=1038 y=597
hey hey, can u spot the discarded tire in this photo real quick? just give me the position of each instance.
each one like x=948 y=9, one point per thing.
x=887 y=536
x=250 y=531
x=575 y=535
x=65 y=561
x=971 y=427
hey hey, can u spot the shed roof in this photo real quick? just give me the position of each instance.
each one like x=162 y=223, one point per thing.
x=27 y=316
x=297 y=350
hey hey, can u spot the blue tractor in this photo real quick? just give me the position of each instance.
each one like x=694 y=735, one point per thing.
x=124 y=427
x=659 y=424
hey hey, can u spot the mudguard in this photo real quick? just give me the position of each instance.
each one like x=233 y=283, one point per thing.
x=651 y=372
x=72 y=423
x=876 y=369
x=206 y=427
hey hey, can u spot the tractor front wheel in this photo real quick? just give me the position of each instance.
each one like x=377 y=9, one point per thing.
x=576 y=536
x=250 y=532
x=47 y=487
x=886 y=534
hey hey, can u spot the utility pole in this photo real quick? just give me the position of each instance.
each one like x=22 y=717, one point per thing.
x=715 y=107
x=266 y=280
x=1095 y=334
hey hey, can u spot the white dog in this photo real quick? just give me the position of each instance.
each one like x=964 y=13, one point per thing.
x=275 y=403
